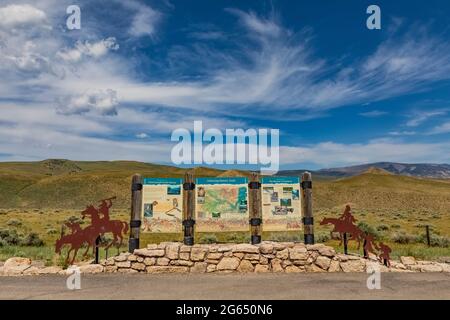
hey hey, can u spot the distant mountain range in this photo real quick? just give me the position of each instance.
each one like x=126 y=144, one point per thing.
x=421 y=170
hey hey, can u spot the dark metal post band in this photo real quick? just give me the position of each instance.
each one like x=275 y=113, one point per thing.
x=136 y=186
x=135 y=223
x=189 y=241
x=254 y=185
x=133 y=244
x=308 y=220
x=188 y=186
x=256 y=239
x=188 y=222
x=306 y=184
x=255 y=221
x=309 y=239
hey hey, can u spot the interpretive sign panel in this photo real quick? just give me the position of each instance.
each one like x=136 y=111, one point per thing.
x=162 y=201
x=281 y=205
x=221 y=204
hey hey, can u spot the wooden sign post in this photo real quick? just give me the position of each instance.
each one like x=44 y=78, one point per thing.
x=136 y=207
x=307 y=210
x=188 y=208
x=254 y=197
x=427 y=231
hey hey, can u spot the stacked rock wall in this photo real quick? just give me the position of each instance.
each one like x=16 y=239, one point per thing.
x=285 y=257
x=173 y=257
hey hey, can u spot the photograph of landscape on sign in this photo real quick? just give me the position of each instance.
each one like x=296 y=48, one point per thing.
x=162 y=201
x=221 y=204
x=281 y=205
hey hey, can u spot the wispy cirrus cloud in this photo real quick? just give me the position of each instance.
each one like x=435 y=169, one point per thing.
x=144 y=20
x=274 y=66
x=420 y=116
x=440 y=129
x=402 y=133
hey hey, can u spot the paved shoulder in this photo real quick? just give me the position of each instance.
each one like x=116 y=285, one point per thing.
x=203 y=286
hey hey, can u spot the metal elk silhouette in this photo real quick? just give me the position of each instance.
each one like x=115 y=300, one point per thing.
x=345 y=225
x=100 y=225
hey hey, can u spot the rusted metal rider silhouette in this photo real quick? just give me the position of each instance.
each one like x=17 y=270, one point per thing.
x=347 y=216
x=345 y=224
x=98 y=227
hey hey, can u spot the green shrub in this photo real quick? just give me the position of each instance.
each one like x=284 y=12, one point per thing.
x=382 y=227
x=404 y=238
x=435 y=240
x=237 y=238
x=322 y=237
x=10 y=237
x=14 y=223
x=208 y=238
x=52 y=231
x=286 y=237
x=74 y=219
x=366 y=228
x=32 y=239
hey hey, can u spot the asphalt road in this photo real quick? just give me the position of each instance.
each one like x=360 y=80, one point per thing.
x=218 y=287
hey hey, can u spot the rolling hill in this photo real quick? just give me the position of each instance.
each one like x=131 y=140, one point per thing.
x=72 y=184
x=65 y=184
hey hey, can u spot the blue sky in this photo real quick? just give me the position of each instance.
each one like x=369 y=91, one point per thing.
x=339 y=93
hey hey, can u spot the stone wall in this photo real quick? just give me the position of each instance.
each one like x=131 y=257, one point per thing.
x=173 y=257
x=285 y=257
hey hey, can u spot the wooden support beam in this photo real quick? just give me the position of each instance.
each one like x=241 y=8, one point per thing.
x=307 y=209
x=136 y=208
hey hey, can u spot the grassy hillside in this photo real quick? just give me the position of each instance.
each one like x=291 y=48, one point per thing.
x=378 y=190
x=63 y=184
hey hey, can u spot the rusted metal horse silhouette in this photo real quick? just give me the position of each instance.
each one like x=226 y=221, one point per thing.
x=104 y=225
x=88 y=236
x=76 y=240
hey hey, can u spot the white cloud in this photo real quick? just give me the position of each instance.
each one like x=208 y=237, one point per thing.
x=142 y=135
x=402 y=133
x=331 y=154
x=442 y=128
x=103 y=102
x=419 y=117
x=36 y=143
x=43 y=116
x=257 y=24
x=145 y=19
x=14 y=16
x=95 y=50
